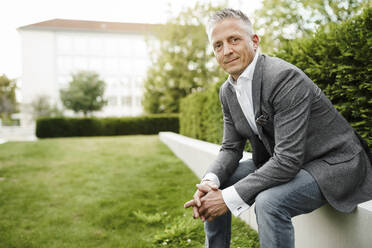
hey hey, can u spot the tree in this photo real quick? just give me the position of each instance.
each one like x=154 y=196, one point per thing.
x=84 y=93
x=8 y=101
x=281 y=20
x=182 y=61
x=41 y=107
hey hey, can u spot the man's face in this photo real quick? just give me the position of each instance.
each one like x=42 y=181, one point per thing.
x=233 y=47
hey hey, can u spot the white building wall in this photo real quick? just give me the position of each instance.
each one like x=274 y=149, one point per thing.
x=38 y=62
x=121 y=60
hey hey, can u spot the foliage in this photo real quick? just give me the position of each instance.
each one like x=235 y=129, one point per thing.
x=148 y=218
x=84 y=93
x=41 y=107
x=8 y=101
x=338 y=59
x=70 y=127
x=281 y=20
x=182 y=61
x=97 y=192
x=181 y=232
x=201 y=115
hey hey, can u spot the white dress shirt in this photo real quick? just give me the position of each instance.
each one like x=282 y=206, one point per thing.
x=243 y=89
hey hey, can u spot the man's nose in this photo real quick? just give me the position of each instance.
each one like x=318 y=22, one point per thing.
x=227 y=49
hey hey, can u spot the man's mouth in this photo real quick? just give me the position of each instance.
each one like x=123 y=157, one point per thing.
x=230 y=60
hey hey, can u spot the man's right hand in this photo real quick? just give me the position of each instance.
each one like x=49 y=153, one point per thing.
x=203 y=188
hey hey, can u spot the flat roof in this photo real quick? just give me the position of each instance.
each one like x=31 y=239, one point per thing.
x=81 y=25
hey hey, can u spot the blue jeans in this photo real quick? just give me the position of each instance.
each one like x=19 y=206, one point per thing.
x=274 y=209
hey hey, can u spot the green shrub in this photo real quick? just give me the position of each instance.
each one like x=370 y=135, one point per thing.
x=338 y=59
x=70 y=127
x=201 y=115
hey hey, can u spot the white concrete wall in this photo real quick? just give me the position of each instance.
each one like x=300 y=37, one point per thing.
x=17 y=133
x=323 y=228
x=38 y=62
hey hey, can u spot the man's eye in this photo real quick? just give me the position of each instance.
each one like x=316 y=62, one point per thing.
x=217 y=46
x=234 y=40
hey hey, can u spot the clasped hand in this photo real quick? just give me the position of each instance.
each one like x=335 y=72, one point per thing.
x=207 y=202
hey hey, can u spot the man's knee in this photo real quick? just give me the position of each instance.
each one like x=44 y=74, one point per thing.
x=267 y=202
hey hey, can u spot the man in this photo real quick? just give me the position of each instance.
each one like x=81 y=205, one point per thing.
x=304 y=152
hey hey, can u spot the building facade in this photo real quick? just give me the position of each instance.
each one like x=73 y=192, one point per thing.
x=53 y=50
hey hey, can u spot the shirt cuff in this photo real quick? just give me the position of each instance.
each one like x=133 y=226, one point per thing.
x=212 y=177
x=233 y=201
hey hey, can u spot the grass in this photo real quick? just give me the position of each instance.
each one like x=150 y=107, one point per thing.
x=123 y=191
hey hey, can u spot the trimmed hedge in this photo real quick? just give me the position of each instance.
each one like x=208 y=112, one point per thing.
x=337 y=59
x=201 y=115
x=70 y=127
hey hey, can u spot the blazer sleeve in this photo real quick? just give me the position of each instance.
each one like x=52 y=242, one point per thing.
x=291 y=99
x=232 y=146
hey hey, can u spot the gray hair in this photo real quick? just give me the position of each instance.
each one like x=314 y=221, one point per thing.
x=227 y=14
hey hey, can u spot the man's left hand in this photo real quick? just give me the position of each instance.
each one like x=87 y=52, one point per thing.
x=202 y=189
x=212 y=205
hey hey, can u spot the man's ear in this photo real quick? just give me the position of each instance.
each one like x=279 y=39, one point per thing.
x=256 y=41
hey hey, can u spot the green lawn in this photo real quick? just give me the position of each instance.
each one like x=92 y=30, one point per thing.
x=123 y=191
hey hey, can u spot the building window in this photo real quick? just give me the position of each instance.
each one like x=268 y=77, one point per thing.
x=111 y=66
x=95 y=46
x=64 y=64
x=126 y=83
x=126 y=101
x=80 y=45
x=80 y=63
x=126 y=66
x=140 y=48
x=139 y=82
x=96 y=64
x=111 y=46
x=64 y=44
x=125 y=47
x=140 y=66
x=138 y=101
x=112 y=101
x=63 y=81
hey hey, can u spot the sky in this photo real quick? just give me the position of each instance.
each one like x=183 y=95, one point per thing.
x=17 y=13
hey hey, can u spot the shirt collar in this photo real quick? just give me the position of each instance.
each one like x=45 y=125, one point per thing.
x=248 y=72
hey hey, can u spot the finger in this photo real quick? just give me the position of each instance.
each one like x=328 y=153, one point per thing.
x=202 y=210
x=213 y=185
x=203 y=188
x=189 y=204
x=196 y=212
x=197 y=198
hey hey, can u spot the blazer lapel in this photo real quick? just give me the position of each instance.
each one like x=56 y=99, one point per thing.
x=256 y=87
x=260 y=117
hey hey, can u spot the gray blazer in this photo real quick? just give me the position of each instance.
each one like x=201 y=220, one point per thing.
x=298 y=129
